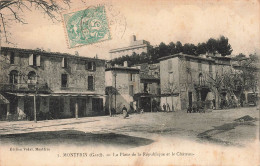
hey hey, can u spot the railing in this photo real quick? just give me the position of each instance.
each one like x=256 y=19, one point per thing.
x=24 y=87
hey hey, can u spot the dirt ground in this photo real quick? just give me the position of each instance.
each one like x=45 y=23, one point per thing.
x=211 y=138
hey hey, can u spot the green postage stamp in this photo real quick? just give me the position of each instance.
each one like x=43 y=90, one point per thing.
x=86 y=26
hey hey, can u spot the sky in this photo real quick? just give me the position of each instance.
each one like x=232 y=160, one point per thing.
x=153 y=20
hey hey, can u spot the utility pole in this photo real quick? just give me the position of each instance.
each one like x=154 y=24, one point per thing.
x=115 y=88
x=34 y=100
x=34 y=107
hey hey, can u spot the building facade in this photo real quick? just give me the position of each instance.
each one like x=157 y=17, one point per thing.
x=56 y=85
x=186 y=79
x=148 y=98
x=122 y=83
x=137 y=46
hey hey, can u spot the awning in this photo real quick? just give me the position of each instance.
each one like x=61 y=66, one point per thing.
x=3 y=100
x=58 y=94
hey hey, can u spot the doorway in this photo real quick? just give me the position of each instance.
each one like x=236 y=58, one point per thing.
x=190 y=99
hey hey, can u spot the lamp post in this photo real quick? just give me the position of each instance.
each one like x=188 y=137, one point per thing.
x=115 y=88
x=34 y=100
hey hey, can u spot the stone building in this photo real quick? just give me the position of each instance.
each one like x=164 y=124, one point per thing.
x=122 y=82
x=148 y=98
x=56 y=85
x=185 y=79
x=137 y=46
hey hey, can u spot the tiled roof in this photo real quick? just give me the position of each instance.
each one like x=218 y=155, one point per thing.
x=39 y=51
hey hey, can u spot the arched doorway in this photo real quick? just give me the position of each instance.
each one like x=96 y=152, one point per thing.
x=32 y=77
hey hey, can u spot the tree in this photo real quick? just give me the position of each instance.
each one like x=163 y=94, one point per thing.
x=163 y=50
x=178 y=47
x=247 y=72
x=212 y=45
x=224 y=48
x=201 y=48
x=189 y=49
x=172 y=48
x=215 y=83
x=220 y=46
x=239 y=57
x=14 y=8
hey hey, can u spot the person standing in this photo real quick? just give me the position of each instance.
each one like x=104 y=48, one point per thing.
x=164 y=107
x=168 y=108
x=124 y=110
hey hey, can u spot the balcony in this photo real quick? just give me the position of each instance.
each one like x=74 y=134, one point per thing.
x=24 y=87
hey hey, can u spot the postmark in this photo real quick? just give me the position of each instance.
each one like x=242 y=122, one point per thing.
x=87 y=26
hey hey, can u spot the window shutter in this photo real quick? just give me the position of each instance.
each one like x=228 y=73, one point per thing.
x=31 y=59
x=63 y=62
x=38 y=60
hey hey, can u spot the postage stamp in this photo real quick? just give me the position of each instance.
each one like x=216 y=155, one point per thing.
x=86 y=26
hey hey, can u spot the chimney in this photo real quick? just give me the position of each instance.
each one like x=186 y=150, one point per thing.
x=125 y=64
x=133 y=38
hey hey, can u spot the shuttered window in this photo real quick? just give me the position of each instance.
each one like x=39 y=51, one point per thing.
x=31 y=59
x=38 y=60
x=64 y=62
x=91 y=66
x=91 y=83
x=34 y=60
x=12 y=58
x=64 y=80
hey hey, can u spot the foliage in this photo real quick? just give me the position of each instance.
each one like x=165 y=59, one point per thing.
x=212 y=46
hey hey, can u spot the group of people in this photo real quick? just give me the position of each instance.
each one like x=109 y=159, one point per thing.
x=167 y=108
x=124 y=112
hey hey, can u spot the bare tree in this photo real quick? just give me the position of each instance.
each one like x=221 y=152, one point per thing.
x=11 y=10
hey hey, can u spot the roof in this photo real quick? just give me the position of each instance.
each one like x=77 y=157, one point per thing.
x=145 y=76
x=121 y=68
x=185 y=55
x=48 y=53
x=128 y=48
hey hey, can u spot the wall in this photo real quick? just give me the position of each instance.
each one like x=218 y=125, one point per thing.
x=129 y=52
x=50 y=71
x=122 y=86
x=165 y=74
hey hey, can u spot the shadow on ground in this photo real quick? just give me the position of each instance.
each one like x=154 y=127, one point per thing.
x=75 y=138
x=209 y=135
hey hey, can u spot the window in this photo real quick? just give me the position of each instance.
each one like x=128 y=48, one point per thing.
x=201 y=79
x=170 y=77
x=12 y=58
x=131 y=90
x=169 y=65
x=32 y=78
x=145 y=88
x=199 y=65
x=210 y=69
x=131 y=77
x=64 y=80
x=34 y=60
x=64 y=62
x=90 y=83
x=91 y=66
x=13 y=77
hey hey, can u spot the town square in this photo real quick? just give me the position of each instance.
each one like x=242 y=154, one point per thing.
x=129 y=82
